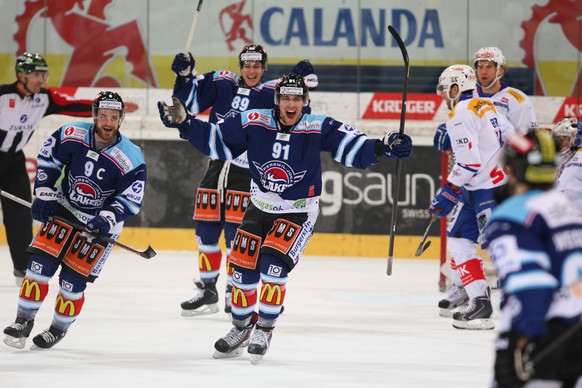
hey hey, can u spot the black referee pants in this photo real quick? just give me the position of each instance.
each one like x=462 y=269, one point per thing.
x=17 y=218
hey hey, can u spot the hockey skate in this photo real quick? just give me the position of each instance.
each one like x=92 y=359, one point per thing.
x=456 y=297
x=259 y=343
x=228 y=299
x=204 y=302
x=18 y=332
x=477 y=315
x=48 y=338
x=233 y=344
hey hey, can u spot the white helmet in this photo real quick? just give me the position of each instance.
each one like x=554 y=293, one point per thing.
x=461 y=75
x=568 y=126
x=492 y=54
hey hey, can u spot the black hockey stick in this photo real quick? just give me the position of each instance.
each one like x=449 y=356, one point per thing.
x=147 y=254
x=526 y=371
x=396 y=190
x=422 y=246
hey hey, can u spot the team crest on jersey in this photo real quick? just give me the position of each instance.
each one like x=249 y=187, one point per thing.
x=277 y=176
x=85 y=193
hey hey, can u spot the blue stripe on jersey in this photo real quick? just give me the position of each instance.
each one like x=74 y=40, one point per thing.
x=513 y=208
x=341 y=148
x=355 y=148
x=530 y=280
x=215 y=138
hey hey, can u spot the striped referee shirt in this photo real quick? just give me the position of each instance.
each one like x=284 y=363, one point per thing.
x=20 y=115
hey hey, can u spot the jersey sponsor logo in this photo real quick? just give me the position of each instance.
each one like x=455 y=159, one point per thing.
x=239 y=298
x=23 y=118
x=76 y=132
x=272 y=294
x=85 y=193
x=65 y=307
x=30 y=290
x=277 y=176
x=121 y=160
x=12 y=103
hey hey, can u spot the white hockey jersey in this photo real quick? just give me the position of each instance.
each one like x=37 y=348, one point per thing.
x=514 y=105
x=477 y=132
x=569 y=179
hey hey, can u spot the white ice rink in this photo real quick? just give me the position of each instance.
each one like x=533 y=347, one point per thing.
x=346 y=324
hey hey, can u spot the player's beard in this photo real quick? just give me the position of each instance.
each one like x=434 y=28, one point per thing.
x=106 y=134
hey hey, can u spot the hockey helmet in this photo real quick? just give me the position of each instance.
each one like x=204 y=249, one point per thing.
x=108 y=100
x=461 y=75
x=564 y=131
x=27 y=63
x=492 y=54
x=532 y=158
x=253 y=52
x=292 y=84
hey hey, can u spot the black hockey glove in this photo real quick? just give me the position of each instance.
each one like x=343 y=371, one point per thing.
x=183 y=64
x=306 y=70
x=510 y=362
x=397 y=147
x=44 y=205
x=172 y=115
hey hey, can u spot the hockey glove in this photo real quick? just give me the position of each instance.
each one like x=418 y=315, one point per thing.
x=183 y=64
x=442 y=141
x=102 y=223
x=172 y=115
x=510 y=361
x=44 y=205
x=306 y=70
x=445 y=200
x=396 y=146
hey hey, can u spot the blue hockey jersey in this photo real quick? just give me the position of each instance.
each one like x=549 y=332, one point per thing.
x=223 y=91
x=535 y=241
x=112 y=179
x=285 y=166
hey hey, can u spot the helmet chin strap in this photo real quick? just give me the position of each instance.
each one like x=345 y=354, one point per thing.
x=497 y=78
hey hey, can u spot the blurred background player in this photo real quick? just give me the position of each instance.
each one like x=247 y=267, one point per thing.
x=567 y=132
x=104 y=176
x=476 y=134
x=531 y=238
x=223 y=193
x=283 y=146
x=22 y=105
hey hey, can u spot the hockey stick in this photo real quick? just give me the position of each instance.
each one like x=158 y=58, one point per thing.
x=526 y=371
x=147 y=254
x=193 y=26
x=396 y=190
x=422 y=246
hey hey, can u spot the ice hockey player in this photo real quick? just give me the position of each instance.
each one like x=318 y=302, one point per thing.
x=103 y=183
x=569 y=180
x=476 y=134
x=490 y=66
x=533 y=237
x=283 y=147
x=224 y=183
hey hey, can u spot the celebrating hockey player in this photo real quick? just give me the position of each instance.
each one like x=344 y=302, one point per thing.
x=534 y=240
x=569 y=179
x=476 y=134
x=224 y=183
x=283 y=147
x=103 y=182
